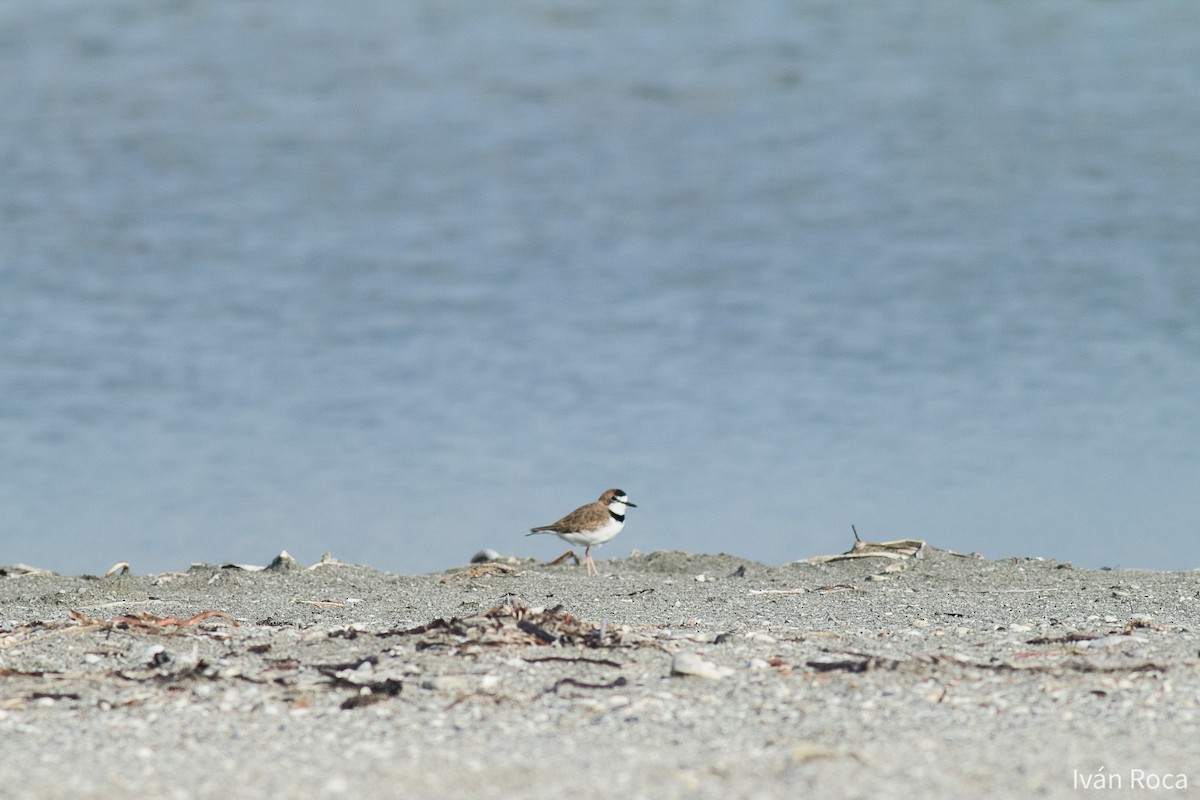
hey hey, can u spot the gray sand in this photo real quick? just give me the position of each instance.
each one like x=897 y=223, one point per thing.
x=940 y=676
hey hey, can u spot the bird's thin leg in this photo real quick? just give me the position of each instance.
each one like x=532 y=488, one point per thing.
x=591 y=565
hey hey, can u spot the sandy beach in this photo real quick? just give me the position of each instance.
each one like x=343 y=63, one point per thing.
x=670 y=675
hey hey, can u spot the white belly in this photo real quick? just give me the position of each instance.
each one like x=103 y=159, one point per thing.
x=592 y=538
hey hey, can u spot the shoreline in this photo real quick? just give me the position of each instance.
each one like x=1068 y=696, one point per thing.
x=671 y=674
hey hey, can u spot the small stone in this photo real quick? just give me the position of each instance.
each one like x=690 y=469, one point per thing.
x=446 y=683
x=283 y=562
x=804 y=752
x=155 y=656
x=335 y=784
x=1114 y=640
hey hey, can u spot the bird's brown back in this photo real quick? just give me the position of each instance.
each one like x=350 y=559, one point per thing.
x=593 y=515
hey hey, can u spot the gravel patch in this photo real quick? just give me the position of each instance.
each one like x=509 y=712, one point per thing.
x=672 y=675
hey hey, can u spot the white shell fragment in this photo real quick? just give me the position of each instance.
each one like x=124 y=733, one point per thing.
x=697 y=666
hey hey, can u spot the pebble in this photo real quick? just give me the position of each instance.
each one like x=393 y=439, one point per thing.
x=155 y=656
x=284 y=562
x=1115 y=640
x=446 y=683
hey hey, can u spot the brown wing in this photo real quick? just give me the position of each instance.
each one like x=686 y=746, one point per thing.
x=579 y=518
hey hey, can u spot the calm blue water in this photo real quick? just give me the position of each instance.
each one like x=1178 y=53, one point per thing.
x=401 y=280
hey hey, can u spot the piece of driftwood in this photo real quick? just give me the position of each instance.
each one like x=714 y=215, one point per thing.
x=900 y=548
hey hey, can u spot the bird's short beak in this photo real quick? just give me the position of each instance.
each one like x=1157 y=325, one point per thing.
x=631 y=505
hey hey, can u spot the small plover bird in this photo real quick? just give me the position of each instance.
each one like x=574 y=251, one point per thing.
x=593 y=524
